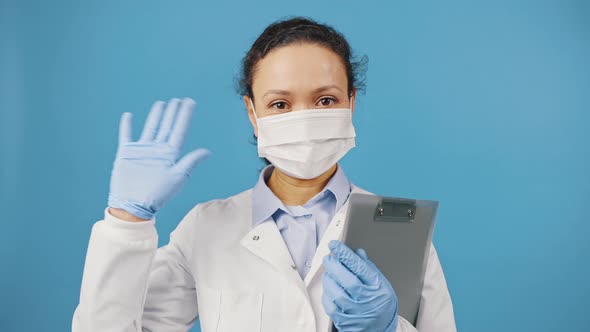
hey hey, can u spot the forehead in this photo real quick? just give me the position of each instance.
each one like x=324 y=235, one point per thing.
x=299 y=67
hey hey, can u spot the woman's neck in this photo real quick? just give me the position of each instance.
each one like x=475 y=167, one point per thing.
x=293 y=191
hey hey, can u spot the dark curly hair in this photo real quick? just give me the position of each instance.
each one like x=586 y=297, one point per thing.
x=302 y=30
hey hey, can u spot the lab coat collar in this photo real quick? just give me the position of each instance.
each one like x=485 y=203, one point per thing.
x=264 y=201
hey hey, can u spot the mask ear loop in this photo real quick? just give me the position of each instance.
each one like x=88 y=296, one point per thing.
x=253 y=110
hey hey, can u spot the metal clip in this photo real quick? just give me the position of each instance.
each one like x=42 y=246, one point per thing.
x=395 y=209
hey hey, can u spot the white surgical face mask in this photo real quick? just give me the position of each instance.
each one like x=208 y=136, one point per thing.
x=304 y=144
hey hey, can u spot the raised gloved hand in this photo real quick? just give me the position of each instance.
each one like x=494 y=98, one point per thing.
x=357 y=296
x=146 y=173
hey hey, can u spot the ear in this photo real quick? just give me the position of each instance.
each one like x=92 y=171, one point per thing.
x=250 y=113
x=352 y=99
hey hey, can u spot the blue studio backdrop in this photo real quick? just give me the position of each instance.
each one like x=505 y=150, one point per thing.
x=482 y=105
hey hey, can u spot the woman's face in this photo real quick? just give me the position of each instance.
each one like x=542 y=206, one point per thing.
x=298 y=76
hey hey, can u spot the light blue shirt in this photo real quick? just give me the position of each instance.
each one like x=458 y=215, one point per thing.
x=301 y=227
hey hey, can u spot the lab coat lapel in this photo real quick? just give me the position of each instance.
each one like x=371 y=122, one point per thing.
x=333 y=232
x=266 y=242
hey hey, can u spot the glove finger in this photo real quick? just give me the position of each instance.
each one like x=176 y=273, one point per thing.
x=362 y=253
x=372 y=265
x=182 y=123
x=334 y=312
x=329 y=306
x=168 y=120
x=152 y=122
x=188 y=163
x=353 y=262
x=125 y=128
x=343 y=277
x=336 y=294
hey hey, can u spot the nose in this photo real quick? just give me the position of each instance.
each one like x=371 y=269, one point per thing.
x=300 y=107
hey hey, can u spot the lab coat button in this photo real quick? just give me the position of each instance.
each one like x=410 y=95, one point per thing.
x=294 y=267
x=255 y=237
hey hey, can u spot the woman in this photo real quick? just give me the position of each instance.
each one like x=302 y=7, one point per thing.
x=266 y=259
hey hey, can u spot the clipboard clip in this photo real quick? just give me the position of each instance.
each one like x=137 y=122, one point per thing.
x=395 y=210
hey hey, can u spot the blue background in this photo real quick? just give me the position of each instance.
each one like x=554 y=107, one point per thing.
x=482 y=105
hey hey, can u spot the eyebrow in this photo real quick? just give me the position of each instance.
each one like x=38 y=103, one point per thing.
x=276 y=92
x=286 y=93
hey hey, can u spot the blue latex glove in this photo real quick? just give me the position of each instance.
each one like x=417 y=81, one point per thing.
x=146 y=173
x=357 y=296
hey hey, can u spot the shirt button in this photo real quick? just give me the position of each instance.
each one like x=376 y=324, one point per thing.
x=308 y=263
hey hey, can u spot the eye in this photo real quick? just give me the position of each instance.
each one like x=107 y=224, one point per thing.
x=279 y=105
x=327 y=101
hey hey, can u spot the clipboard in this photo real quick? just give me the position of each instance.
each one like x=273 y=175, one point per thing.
x=396 y=233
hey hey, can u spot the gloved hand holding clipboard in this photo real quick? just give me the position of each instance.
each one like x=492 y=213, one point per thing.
x=395 y=235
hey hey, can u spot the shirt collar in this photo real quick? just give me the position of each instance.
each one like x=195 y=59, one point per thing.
x=265 y=203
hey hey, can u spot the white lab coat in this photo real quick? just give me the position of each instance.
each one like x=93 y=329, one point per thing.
x=217 y=267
